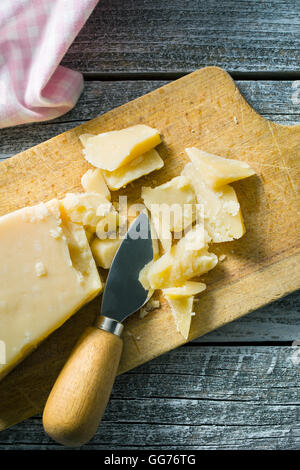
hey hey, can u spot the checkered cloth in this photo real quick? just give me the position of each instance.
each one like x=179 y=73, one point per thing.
x=34 y=36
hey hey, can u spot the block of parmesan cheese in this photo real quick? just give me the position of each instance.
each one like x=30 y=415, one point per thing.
x=217 y=171
x=182 y=310
x=223 y=218
x=111 y=150
x=93 y=182
x=140 y=166
x=47 y=273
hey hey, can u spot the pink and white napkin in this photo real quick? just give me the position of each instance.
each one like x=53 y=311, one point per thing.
x=34 y=37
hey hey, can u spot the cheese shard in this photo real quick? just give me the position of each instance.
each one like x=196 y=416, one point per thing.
x=223 y=218
x=86 y=208
x=111 y=150
x=43 y=279
x=177 y=197
x=140 y=166
x=182 y=310
x=93 y=182
x=104 y=251
x=84 y=138
x=189 y=288
x=187 y=259
x=218 y=171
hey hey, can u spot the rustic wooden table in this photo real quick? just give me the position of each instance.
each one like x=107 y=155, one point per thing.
x=238 y=387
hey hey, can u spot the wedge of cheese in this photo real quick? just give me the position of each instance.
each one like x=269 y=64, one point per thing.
x=105 y=250
x=93 y=182
x=86 y=208
x=140 y=166
x=182 y=310
x=187 y=259
x=47 y=273
x=217 y=171
x=223 y=218
x=189 y=288
x=111 y=150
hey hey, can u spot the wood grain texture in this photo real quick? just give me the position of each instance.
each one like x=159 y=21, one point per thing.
x=196 y=110
x=181 y=36
x=195 y=398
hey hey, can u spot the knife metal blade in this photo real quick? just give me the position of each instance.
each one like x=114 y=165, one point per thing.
x=124 y=294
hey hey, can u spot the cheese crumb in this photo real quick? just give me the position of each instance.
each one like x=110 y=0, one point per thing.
x=40 y=269
x=149 y=307
x=222 y=257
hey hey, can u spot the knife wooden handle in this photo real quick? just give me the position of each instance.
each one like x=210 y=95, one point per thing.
x=79 y=397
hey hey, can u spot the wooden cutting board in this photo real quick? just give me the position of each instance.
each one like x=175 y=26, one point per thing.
x=206 y=110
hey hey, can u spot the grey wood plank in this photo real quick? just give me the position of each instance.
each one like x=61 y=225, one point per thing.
x=179 y=36
x=199 y=397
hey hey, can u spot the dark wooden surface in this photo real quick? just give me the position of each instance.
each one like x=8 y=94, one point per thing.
x=238 y=387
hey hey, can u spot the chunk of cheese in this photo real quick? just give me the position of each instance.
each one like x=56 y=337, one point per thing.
x=140 y=166
x=114 y=149
x=175 y=200
x=223 y=218
x=217 y=171
x=182 y=310
x=184 y=261
x=104 y=251
x=189 y=288
x=47 y=273
x=93 y=182
x=86 y=208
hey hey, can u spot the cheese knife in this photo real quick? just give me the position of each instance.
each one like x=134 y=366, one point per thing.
x=81 y=392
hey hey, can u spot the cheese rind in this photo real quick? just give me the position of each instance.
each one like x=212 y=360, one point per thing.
x=140 y=166
x=182 y=310
x=93 y=182
x=223 y=218
x=43 y=279
x=111 y=150
x=218 y=171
